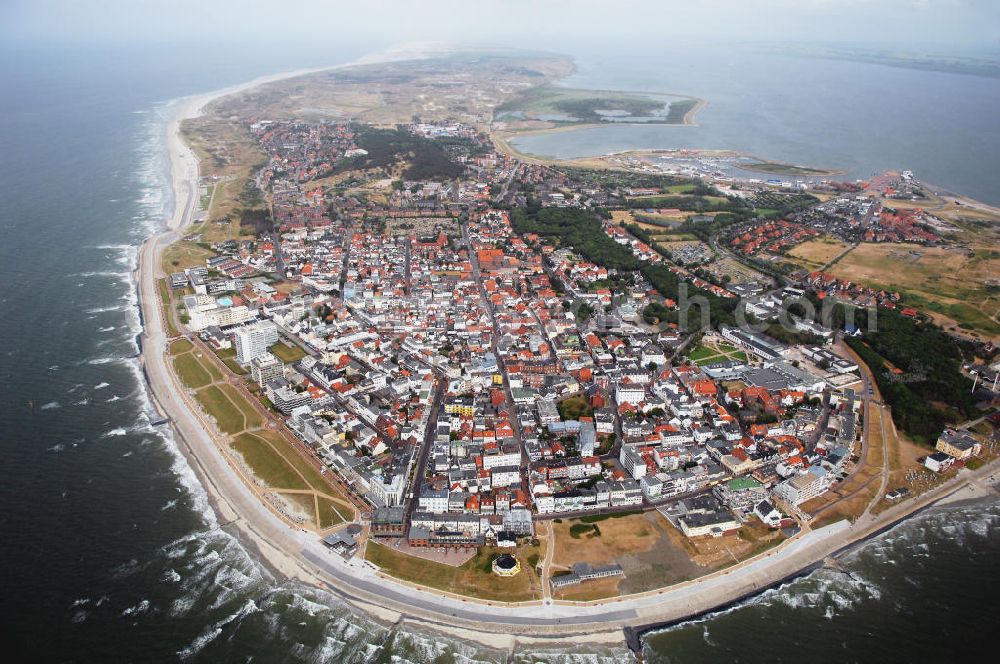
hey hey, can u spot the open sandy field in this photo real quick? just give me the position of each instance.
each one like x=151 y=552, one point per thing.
x=646 y=546
x=953 y=283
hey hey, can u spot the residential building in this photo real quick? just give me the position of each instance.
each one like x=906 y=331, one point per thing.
x=253 y=341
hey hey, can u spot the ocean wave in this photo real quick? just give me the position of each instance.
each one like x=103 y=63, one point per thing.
x=51 y=405
x=182 y=470
x=119 y=431
x=105 y=360
x=584 y=654
x=118 y=276
x=833 y=591
x=102 y=310
x=212 y=569
x=101 y=386
x=414 y=646
x=961 y=525
x=212 y=632
x=139 y=608
x=109 y=328
x=127 y=568
x=122 y=254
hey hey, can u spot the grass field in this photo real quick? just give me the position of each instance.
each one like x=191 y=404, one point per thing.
x=710 y=353
x=180 y=346
x=183 y=254
x=474 y=578
x=230 y=410
x=287 y=354
x=950 y=283
x=252 y=418
x=312 y=476
x=571 y=106
x=816 y=253
x=228 y=357
x=273 y=469
x=191 y=372
x=226 y=414
x=167 y=302
x=276 y=463
x=787 y=169
x=330 y=513
x=164 y=290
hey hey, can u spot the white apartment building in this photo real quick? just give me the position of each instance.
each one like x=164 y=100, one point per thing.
x=629 y=393
x=253 y=341
x=266 y=368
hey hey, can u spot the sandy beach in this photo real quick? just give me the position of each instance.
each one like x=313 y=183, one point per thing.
x=296 y=554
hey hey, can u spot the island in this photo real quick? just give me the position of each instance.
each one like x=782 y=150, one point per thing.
x=519 y=400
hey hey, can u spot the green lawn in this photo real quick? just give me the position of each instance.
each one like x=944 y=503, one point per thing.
x=291 y=455
x=701 y=352
x=165 y=298
x=180 y=346
x=252 y=418
x=330 y=513
x=191 y=372
x=161 y=285
x=287 y=354
x=266 y=463
x=220 y=406
x=228 y=357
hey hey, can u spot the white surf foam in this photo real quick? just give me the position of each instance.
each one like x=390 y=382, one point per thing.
x=139 y=608
x=213 y=631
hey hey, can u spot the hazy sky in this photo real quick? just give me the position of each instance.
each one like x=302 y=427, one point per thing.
x=914 y=24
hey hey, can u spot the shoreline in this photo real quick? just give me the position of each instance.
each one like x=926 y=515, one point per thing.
x=291 y=554
x=948 y=501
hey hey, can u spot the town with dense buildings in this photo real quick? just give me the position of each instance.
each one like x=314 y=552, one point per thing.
x=478 y=349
